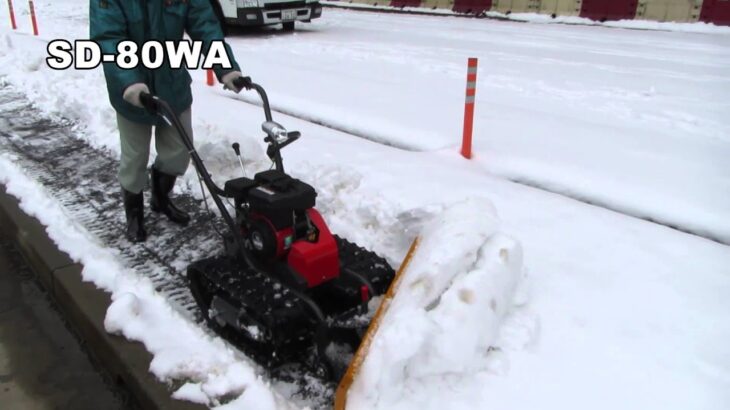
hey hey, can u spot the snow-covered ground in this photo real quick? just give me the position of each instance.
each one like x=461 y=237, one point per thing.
x=622 y=313
x=636 y=24
x=630 y=119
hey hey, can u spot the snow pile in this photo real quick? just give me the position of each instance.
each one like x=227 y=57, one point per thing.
x=447 y=313
x=212 y=369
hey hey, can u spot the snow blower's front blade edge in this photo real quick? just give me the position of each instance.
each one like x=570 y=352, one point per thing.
x=354 y=368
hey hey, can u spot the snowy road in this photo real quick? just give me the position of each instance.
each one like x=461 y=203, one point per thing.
x=631 y=314
x=632 y=120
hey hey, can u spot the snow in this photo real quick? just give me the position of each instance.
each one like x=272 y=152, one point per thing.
x=630 y=120
x=645 y=108
x=446 y=316
x=191 y=392
x=696 y=27
x=621 y=313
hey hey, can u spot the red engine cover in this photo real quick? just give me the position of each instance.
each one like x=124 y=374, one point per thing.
x=316 y=262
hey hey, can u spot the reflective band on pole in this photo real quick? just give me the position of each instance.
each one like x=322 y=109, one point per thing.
x=32 y=17
x=12 y=15
x=471 y=91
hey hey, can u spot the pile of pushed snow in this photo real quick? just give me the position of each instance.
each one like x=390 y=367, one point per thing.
x=447 y=315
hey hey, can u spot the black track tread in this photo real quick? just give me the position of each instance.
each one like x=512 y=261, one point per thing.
x=244 y=286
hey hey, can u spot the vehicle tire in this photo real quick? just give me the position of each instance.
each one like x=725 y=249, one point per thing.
x=288 y=26
x=218 y=10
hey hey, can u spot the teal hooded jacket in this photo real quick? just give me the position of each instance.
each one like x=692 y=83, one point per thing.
x=112 y=21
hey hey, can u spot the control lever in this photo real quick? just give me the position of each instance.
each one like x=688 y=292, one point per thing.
x=237 y=149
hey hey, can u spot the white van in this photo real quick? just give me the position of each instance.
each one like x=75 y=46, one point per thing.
x=249 y=13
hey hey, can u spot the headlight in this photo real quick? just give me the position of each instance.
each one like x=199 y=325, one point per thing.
x=247 y=3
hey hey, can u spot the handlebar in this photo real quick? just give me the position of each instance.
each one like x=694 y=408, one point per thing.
x=158 y=106
x=151 y=102
x=155 y=105
x=243 y=82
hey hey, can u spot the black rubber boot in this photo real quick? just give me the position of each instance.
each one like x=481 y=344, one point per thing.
x=161 y=186
x=134 y=209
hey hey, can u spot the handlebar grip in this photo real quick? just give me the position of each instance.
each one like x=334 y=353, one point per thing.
x=243 y=82
x=149 y=102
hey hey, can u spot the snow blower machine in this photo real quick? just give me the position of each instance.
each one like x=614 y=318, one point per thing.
x=285 y=289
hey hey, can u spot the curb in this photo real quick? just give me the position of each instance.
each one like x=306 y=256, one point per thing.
x=84 y=306
x=413 y=11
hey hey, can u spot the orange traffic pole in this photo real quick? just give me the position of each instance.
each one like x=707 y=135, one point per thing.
x=471 y=90
x=32 y=17
x=12 y=15
x=210 y=77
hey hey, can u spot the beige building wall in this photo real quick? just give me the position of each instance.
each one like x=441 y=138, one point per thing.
x=669 y=10
x=516 y=6
x=560 y=7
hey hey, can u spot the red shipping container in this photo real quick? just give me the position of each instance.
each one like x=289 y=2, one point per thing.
x=472 y=6
x=405 y=3
x=716 y=11
x=602 y=10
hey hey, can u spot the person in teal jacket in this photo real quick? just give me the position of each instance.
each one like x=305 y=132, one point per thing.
x=112 y=21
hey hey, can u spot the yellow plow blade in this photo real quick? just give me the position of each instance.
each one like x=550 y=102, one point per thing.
x=362 y=351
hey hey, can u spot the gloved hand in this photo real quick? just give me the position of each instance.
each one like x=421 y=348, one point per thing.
x=132 y=92
x=228 y=80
